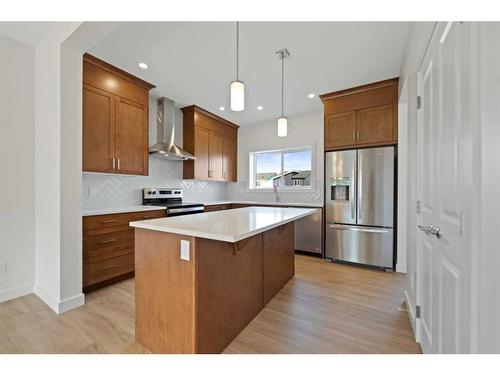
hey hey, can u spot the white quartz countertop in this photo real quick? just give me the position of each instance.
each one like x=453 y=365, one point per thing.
x=256 y=203
x=229 y=226
x=119 y=210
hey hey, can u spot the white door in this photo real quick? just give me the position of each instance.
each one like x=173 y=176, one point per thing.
x=444 y=175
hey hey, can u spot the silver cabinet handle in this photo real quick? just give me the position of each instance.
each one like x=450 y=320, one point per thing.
x=118 y=163
x=430 y=230
x=113 y=163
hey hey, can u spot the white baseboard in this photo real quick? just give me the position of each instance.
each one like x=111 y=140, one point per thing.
x=59 y=306
x=71 y=303
x=46 y=297
x=16 y=292
x=401 y=268
x=411 y=314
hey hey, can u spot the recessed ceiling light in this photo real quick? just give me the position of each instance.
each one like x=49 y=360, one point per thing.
x=222 y=108
x=143 y=65
x=310 y=96
x=260 y=108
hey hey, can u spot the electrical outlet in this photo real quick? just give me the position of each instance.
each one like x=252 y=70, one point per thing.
x=3 y=268
x=185 y=250
x=92 y=191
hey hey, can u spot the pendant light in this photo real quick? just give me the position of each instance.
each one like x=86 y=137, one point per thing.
x=237 y=87
x=282 y=121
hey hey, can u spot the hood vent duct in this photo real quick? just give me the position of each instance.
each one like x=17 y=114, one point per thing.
x=165 y=122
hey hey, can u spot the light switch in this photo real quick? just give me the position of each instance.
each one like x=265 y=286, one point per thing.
x=185 y=250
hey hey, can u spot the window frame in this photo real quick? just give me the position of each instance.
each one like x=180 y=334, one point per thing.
x=280 y=187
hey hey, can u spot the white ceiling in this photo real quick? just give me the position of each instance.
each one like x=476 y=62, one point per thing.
x=194 y=62
x=26 y=32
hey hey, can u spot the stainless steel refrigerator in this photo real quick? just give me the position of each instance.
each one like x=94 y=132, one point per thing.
x=359 y=200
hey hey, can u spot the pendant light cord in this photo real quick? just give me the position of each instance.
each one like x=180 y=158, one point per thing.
x=237 y=51
x=282 y=82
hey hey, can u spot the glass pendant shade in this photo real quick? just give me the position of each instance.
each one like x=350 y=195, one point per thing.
x=237 y=96
x=282 y=127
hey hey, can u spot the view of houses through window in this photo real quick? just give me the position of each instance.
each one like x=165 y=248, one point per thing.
x=282 y=168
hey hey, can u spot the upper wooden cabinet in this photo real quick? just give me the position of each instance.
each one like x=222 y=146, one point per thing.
x=361 y=116
x=115 y=119
x=213 y=140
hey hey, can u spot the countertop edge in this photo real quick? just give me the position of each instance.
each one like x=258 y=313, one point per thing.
x=290 y=204
x=119 y=210
x=210 y=236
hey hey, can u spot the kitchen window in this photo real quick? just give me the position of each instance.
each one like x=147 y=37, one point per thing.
x=285 y=169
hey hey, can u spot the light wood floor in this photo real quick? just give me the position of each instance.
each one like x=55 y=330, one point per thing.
x=326 y=308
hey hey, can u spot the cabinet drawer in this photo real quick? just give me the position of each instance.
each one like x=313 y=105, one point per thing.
x=146 y=215
x=116 y=220
x=100 y=270
x=109 y=243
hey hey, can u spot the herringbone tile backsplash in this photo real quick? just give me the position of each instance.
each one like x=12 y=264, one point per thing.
x=101 y=190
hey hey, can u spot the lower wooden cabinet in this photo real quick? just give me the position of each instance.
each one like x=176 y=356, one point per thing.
x=108 y=247
x=278 y=260
x=218 y=207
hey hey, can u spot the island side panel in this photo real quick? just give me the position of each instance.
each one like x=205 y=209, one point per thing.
x=278 y=259
x=229 y=290
x=165 y=293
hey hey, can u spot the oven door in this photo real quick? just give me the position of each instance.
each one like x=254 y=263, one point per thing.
x=180 y=211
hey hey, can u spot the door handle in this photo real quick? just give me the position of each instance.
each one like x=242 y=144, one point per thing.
x=114 y=166
x=118 y=161
x=430 y=230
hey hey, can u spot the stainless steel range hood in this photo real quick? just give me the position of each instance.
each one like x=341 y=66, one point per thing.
x=165 y=120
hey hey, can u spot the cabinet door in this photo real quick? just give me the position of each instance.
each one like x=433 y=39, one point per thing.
x=98 y=131
x=375 y=125
x=278 y=259
x=131 y=137
x=229 y=158
x=229 y=290
x=216 y=164
x=340 y=129
x=201 y=147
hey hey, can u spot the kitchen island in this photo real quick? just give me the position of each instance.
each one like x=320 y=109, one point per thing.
x=200 y=279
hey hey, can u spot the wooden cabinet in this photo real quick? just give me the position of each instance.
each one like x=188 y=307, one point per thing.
x=278 y=259
x=217 y=207
x=229 y=290
x=213 y=140
x=108 y=247
x=340 y=129
x=361 y=116
x=115 y=119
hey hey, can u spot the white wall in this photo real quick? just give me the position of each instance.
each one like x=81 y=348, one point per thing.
x=17 y=199
x=418 y=38
x=488 y=223
x=303 y=130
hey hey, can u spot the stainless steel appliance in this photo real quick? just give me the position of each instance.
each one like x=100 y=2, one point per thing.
x=308 y=236
x=359 y=206
x=171 y=199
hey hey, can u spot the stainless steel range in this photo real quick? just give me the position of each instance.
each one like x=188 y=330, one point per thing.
x=171 y=199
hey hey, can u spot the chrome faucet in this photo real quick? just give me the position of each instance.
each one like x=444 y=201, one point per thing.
x=275 y=189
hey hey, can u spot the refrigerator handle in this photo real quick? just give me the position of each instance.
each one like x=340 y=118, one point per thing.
x=353 y=188
x=359 y=175
x=357 y=229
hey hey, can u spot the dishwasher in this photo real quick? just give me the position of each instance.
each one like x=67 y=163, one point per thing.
x=308 y=233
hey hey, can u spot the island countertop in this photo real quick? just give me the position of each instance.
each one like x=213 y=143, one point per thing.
x=229 y=225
